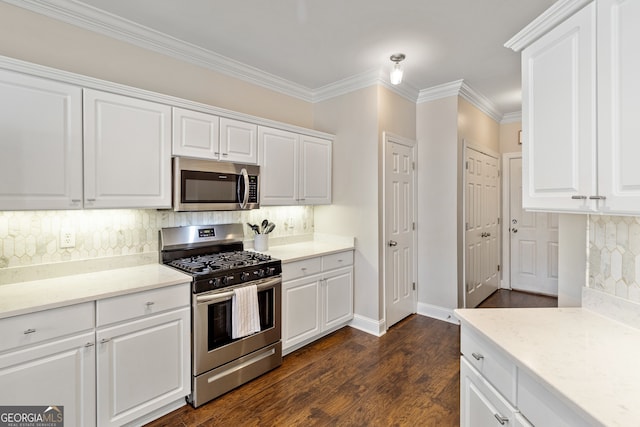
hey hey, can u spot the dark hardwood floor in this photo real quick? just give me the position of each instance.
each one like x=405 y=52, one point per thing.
x=410 y=376
x=507 y=298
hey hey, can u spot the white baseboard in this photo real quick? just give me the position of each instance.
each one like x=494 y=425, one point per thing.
x=436 y=312
x=371 y=326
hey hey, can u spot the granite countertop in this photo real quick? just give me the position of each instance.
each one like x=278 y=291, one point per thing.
x=588 y=361
x=31 y=296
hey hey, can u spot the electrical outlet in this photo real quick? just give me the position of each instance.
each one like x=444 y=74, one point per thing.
x=67 y=238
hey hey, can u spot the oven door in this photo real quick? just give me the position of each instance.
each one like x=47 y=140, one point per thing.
x=212 y=342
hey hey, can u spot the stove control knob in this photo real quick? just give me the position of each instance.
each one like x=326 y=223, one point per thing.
x=271 y=271
x=215 y=282
x=244 y=277
x=227 y=279
x=259 y=273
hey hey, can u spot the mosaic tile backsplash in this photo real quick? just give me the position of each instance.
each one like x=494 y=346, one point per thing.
x=614 y=256
x=33 y=237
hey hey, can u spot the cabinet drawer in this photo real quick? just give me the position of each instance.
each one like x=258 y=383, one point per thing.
x=44 y=325
x=139 y=304
x=490 y=362
x=543 y=408
x=342 y=259
x=303 y=268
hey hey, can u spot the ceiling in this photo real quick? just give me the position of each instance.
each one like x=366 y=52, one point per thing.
x=314 y=44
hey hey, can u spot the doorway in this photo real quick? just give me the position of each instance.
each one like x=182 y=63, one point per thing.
x=482 y=219
x=399 y=228
x=530 y=238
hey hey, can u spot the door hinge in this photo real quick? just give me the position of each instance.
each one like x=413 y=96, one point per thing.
x=414 y=286
x=466 y=165
x=466 y=226
x=413 y=226
x=498 y=172
x=498 y=267
x=413 y=165
x=498 y=220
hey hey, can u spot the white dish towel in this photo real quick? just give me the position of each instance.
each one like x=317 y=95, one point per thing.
x=245 y=314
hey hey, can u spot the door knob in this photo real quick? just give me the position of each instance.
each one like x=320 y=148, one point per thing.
x=514 y=230
x=393 y=243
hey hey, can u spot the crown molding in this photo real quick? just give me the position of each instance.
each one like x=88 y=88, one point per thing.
x=90 y=18
x=514 y=117
x=93 y=19
x=551 y=17
x=462 y=89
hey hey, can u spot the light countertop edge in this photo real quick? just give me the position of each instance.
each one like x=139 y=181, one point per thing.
x=320 y=245
x=38 y=295
x=582 y=341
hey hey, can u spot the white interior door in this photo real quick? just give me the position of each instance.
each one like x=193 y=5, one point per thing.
x=482 y=206
x=534 y=241
x=399 y=229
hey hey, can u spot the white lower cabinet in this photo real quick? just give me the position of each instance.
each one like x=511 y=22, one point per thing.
x=143 y=360
x=480 y=403
x=317 y=298
x=51 y=363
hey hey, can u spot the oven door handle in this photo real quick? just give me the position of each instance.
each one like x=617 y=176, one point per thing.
x=222 y=296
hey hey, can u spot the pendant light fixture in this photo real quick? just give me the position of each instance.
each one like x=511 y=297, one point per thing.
x=396 y=72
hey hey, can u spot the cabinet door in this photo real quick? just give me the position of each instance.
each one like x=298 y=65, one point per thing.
x=127 y=152
x=338 y=297
x=619 y=105
x=480 y=404
x=300 y=310
x=238 y=141
x=315 y=170
x=558 y=117
x=40 y=142
x=279 y=167
x=142 y=366
x=60 y=373
x=195 y=134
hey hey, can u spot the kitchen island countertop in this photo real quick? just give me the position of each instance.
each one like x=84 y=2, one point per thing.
x=586 y=360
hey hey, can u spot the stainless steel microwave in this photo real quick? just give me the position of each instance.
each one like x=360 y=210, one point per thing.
x=207 y=185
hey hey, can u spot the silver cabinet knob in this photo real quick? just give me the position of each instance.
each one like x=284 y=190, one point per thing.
x=501 y=419
x=393 y=243
x=477 y=356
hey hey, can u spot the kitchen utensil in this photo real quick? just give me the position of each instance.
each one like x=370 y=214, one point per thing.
x=269 y=228
x=264 y=225
x=255 y=228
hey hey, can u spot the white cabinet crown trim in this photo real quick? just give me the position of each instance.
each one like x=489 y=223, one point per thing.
x=550 y=18
x=107 y=86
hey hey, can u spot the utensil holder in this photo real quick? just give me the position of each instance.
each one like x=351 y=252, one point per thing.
x=261 y=242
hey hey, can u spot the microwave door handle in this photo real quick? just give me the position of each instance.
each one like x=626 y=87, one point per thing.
x=245 y=196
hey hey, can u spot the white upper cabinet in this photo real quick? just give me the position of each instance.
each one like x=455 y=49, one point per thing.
x=558 y=117
x=40 y=143
x=205 y=136
x=619 y=105
x=581 y=100
x=315 y=170
x=295 y=169
x=127 y=152
x=195 y=134
x=238 y=141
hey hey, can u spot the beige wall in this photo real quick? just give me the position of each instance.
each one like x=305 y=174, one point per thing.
x=353 y=118
x=509 y=137
x=41 y=40
x=476 y=127
x=437 y=134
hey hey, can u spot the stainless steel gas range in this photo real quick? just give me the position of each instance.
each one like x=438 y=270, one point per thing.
x=213 y=255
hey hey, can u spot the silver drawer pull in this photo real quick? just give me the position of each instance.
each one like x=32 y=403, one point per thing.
x=597 y=197
x=89 y=344
x=30 y=331
x=502 y=420
x=579 y=197
x=477 y=356
x=105 y=340
x=149 y=303
x=303 y=268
